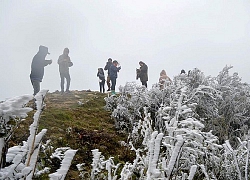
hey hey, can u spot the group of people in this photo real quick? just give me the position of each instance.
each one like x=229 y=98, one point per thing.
x=39 y=62
x=64 y=62
x=141 y=73
x=113 y=68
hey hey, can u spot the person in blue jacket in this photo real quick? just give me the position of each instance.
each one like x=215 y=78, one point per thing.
x=37 y=68
x=113 y=70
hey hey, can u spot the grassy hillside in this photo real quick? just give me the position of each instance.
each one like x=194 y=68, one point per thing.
x=77 y=120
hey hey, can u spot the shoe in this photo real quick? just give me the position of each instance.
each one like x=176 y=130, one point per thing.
x=108 y=89
x=67 y=91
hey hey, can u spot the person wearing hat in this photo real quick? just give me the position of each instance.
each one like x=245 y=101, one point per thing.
x=113 y=70
x=37 y=68
x=142 y=73
x=64 y=63
x=108 y=64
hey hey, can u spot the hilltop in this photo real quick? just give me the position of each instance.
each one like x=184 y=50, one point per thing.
x=195 y=128
x=77 y=120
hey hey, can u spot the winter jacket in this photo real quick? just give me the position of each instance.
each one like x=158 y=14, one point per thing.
x=143 y=75
x=64 y=63
x=107 y=67
x=101 y=76
x=37 y=66
x=113 y=71
x=164 y=79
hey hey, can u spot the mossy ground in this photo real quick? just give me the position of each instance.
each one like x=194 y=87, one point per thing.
x=77 y=120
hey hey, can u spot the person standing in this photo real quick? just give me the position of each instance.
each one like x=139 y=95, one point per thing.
x=113 y=70
x=101 y=76
x=142 y=73
x=37 y=68
x=64 y=64
x=108 y=64
x=164 y=80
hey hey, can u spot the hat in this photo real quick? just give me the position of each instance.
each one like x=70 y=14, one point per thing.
x=141 y=62
x=44 y=49
x=183 y=71
x=109 y=59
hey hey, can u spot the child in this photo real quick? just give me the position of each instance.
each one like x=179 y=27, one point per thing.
x=101 y=76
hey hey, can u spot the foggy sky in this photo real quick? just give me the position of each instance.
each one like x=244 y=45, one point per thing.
x=165 y=34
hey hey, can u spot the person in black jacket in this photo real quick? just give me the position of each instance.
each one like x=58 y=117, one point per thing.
x=37 y=68
x=108 y=64
x=101 y=76
x=114 y=69
x=142 y=73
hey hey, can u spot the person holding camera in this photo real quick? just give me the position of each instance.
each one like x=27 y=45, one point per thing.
x=37 y=68
x=64 y=64
x=113 y=70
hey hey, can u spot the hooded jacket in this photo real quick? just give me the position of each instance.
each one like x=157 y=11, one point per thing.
x=143 y=74
x=37 y=66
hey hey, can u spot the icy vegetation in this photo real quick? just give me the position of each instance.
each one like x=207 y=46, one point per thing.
x=20 y=162
x=195 y=128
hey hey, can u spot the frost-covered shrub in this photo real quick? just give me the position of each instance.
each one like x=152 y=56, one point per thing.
x=128 y=106
x=234 y=106
x=21 y=160
x=12 y=112
x=186 y=116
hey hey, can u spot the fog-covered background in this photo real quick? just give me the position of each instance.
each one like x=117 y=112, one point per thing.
x=165 y=34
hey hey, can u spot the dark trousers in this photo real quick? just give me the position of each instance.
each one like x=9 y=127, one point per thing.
x=113 y=83
x=101 y=84
x=108 y=82
x=67 y=77
x=144 y=83
x=36 y=86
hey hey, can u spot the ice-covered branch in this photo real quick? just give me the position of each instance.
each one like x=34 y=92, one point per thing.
x=154 y=150
x=192 y=172
x=247 y=159
x=227 y=143
x=175 y=155
x=61 y=173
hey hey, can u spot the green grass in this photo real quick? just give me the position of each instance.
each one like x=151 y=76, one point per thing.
x=91 y=127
